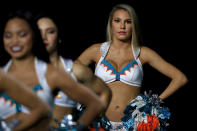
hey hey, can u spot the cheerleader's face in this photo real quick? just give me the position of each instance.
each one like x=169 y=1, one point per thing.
x=121 y=25
x=18 y=38
x=49 y=33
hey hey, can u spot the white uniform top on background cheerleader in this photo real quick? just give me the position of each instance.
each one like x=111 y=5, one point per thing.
x=61 y=98
x=9 y=107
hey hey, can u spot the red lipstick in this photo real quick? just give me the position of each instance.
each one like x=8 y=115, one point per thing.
x=122 y=32
x=46 y=44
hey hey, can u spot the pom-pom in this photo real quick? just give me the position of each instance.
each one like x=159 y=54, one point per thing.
x=145 y=113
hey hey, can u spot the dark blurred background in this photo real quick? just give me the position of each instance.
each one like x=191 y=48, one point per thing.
x=167 y=27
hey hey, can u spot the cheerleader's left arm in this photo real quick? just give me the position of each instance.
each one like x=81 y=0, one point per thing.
x=178 y=79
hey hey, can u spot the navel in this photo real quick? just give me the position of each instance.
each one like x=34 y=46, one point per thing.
x=117 y=107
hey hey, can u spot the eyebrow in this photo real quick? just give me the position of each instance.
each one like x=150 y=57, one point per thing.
x=49 y=28
x=120 y=18
x=19 y=31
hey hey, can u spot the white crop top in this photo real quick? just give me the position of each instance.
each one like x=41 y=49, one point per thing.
x=131 y=74
x=9 y=107
x=62 y=99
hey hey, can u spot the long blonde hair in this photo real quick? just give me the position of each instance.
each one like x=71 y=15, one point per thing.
x=136 y=35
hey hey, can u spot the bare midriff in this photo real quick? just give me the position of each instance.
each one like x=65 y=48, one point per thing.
x=122 y=94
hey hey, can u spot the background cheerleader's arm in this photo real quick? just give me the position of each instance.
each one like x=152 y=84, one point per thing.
x=77 y=92
x=178 y=79
x=23 y=95
x=85 y=76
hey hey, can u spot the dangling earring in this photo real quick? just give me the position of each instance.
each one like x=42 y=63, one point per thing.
x=59 y=41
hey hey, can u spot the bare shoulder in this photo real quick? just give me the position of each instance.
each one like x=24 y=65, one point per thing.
x=55 y=74
x=147 y=54
x=56 y=77
x=90 y=55
x=78 y=68
x=94 y=48
x=81 y=71
x=145 y=49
